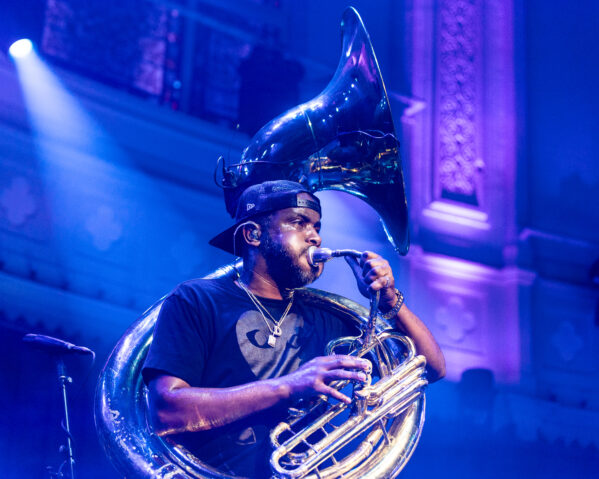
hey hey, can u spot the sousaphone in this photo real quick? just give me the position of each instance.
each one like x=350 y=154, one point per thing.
x=343 y=139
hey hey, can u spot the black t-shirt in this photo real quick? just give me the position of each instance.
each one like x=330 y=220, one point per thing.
x=210 y=334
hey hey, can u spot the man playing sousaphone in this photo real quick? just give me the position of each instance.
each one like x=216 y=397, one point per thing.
x=231 y=354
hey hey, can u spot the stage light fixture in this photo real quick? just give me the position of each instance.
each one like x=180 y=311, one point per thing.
x=21 y=48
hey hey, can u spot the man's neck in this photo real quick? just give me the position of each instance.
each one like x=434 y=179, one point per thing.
x=261 y=283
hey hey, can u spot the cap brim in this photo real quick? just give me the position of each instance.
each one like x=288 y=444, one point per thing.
x=225 y=241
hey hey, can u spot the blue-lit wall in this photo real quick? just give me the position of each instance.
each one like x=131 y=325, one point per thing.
x=107 y=201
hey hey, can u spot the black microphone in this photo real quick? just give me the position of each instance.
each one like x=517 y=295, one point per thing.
x=54 y=345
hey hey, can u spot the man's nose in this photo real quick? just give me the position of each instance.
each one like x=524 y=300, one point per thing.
x=314 y=237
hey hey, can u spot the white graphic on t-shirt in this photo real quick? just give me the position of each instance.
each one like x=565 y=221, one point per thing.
x=265 y=361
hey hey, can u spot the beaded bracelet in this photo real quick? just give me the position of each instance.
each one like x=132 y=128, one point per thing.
x=393 y=311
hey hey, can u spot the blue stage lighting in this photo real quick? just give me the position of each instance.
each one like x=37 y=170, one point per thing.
x=21 y=48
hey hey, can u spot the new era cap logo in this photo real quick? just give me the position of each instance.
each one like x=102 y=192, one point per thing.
x=249 y=206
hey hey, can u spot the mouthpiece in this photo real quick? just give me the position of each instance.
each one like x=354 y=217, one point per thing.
x=322 y=255
x=319 y=255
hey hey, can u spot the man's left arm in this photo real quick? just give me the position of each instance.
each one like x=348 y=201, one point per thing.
x=411 y=325
x=374 y=273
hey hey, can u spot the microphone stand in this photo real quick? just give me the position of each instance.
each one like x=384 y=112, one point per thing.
x=58 y=349
x=64 y=379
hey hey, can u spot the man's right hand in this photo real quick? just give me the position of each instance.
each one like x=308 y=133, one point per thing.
x=315 y=376
x=176 y=407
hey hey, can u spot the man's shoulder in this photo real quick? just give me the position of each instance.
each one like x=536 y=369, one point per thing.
x=200 y=287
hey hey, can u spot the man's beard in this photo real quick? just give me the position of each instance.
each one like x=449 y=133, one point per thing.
x=283 y=265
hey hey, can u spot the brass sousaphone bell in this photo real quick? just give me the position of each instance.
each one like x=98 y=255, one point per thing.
x=344 y=140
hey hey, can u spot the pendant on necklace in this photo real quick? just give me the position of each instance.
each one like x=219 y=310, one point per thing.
x=272 y=338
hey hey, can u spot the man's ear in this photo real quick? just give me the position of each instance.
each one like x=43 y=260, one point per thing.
x=251 y=233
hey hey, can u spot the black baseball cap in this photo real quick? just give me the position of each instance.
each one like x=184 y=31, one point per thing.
x=262 y=198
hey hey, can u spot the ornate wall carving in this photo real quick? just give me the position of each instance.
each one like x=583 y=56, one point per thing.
x=455 y=318
x=469 y=309
x=458 y=64
x=17 y=201
x=104 y=227
x=464 y=151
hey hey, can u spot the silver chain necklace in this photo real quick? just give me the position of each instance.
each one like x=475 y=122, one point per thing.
x=275 y=331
